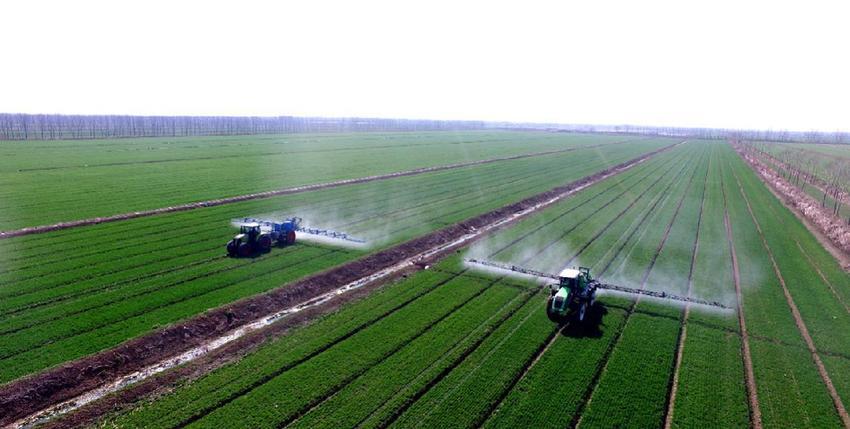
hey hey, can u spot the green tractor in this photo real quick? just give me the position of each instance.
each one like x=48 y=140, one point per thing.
x=573 y=296
x=250 y=241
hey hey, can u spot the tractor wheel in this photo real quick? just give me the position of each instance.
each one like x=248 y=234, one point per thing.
x=245 y=250
x=264 y=243
x=232 y=248
x=553 y=316
x=290 y=237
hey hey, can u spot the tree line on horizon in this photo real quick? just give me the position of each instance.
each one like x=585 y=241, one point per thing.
x=21 y=126
x=17 y=126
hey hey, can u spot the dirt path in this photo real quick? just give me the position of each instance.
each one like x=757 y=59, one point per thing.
x=267 y=194
x=749 y=374
x=66 y=384
x=683 y=332
x=798 y=319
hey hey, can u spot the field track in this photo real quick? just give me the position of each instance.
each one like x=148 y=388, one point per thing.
x=285 y=191
x=55 y=385
x=746 y=353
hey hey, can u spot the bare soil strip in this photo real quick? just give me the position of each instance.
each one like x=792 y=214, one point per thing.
x=683 y=331
x=23 y=397
x=831 y=231
x=267 y=194
x=798 y=319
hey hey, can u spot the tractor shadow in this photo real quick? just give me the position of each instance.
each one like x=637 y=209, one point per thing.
x=591 y=327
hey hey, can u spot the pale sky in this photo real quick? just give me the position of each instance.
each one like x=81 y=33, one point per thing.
x=744 y=64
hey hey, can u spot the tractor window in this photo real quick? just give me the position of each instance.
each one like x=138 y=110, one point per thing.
x=570 y=283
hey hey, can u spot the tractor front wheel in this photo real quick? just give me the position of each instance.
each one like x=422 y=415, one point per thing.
x=232 y=248
x=290 y=237
x=553 y=315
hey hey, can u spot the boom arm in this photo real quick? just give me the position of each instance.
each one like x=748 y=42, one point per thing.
x=514 y=268
x=296 y=222
x=652 y=293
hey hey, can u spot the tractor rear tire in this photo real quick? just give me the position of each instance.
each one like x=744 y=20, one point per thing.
x=245 y=250
x=264 y=243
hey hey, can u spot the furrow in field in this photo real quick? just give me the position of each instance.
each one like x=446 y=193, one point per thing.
x=798 y=319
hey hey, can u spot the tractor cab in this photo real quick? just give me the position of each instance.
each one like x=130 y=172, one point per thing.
x=574 y=294
x=249 y=230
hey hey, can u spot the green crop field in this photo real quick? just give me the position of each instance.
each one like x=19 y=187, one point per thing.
x=448 y=345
